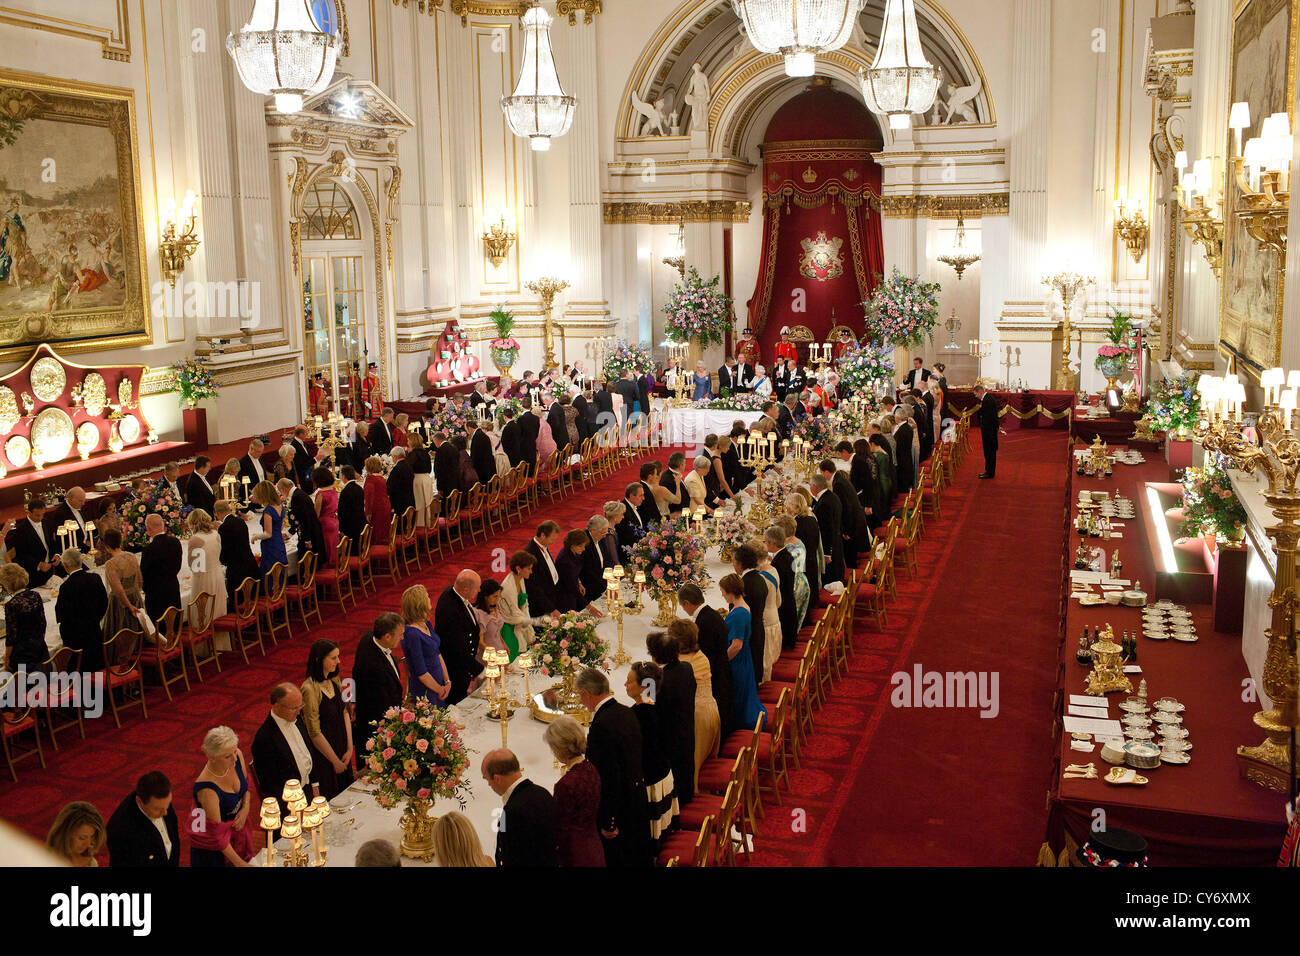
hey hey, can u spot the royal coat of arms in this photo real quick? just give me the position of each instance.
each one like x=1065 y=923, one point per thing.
x=821 y=258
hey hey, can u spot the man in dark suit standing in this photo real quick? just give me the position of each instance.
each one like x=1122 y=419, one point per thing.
x=743 y=376
x=727 y=377
x=649 y=508
x=917 y=375
x=511 y=438
x=604 y=401
x=595 y=558
x=458 y=630
x=989 y=430
x=80 y=606
x=783 y=563
x=627 y=390
x=198 y=491
x=528 y=829
x=854 y=528
x=72 y=509
x=672 y=481
x=586 y=416
x=785 y=417
x=236 y=548
x=529 y=425
x=558 y=426
x=303 y=461
x=352 y=508
x=33 y=548
x=281 y=748
x=711 y=635
x=643 y=395
x=376 y=678
x=904 y=435
x=826 y=508
x=633 y=524
x=250 y=466
x=401 y=483
x=311 y=533
x=543 y=596
x=160 y=568
x=446 y=464
x=614 y=749
x=381 y=433
x=171 y=481
x=481 y=457
x=675 y=712
x=143 y=830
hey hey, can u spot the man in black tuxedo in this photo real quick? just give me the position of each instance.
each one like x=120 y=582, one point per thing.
x=528 y=832
x=649 y=508
x=361 y=447
x=675 y=712
x=627 y=390
x=72 y=509
x=614 y=749
x=143 y=830
x=643 y=394
x=829 y=514
x=352 y=508
x=989 y=430
x=711 y=635
x=556 y=423
x=727 y=377
x=543 y=596
x=604 y=402
x=529 y=426
x=458 y=630
x=745 y=563
x=904 y=435
x=376 y=678
x=311 y=533
x=198 y=490
x=511 y=438
x=401 y=483
x=303 y=460
x=785 y=416
x=595 y=558
x=33 y=549
x=446 y=465
x=854 y=525
x=586 y=416
x=171 y=481
x=633 y=524
x=481 y=456
x=783 y=563
x=236 y=548
x=743 y=376
x=917 y=375
x=479 y=397
x=250 y=466
x=80 y=606
x=672 y=481
x=160 y=568
x=281 y=748
x=381 y=433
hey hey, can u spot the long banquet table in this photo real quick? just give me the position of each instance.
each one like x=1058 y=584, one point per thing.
x=1199 y=813
x=690 y=426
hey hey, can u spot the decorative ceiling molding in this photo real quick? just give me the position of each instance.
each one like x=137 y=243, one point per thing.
x=945 y=207
x=588 y=8
x=487 y=8
x=114 y=39
x=691 y=210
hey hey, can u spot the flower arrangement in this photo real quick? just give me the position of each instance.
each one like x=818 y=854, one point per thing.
x=193 y=381
x=741 y=402
x=1175 y=403
x=698 y=310
x=452 y=419
x=773 y=489
x=819 y=432
x=866 y=369
x=733 y=529
x=1210 y=505
x=624 y=356
x=571 y=641
x=416 y=753
x=1114 y=355
x=504 y=348
x=516 y=405
x=670 y=555
x=158 y=502
x=903 y=311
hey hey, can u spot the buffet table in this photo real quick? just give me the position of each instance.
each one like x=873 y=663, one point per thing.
x=1200 y=813
x=690 y=426
x=1114 y=429
x=1032 y=409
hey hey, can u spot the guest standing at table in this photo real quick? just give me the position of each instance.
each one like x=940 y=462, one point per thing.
x=143 y=831
x=401 y=486
x=281 y=751
x=543 y=594
x=467 y=476
x=614 y=749
x=527 y=834
x=571 y=593
x=808 y=531
x=577 y=795
x=545 y=441
x=798 y=552
x=351 y=508
x=660 y=784
x=456 y=844
x=707 y=721
x=72 y=509
x=379 y=510
x=302 y=517
x=109 y=520
x=122 y=574
x=217 y=834
x=427 y=673
x=325 y=505
x=517 y=631
x=273 y=549
x=303 y=463
x=236 y=549
x=487 y=609
x=457 y=628
x=696 y=485
x=80 y=606
x=77 y=834
x=325 y=715
x=675 y=703
x=711 y=631
x=203 y=556
x=250 y=466
x=33 y=549
x=160 y=567
x=361 y=449
x=446 y=465
x=24 y=621
x=745 y=563
x=401 y=431
x=781 y=562
x=905 y=448
x=829 y=515
x=702 y=382
x=376 y=678
x=422 y=478
x=198 y=491
x=744 y=687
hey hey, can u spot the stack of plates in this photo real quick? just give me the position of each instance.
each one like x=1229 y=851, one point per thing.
x=1168 y=721
x=1164 y=620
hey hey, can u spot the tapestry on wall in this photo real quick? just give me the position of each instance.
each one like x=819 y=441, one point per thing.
x=72 y=267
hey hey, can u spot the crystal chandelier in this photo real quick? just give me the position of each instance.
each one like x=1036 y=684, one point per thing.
x=959 y=257
x=538 y=108
x=901 y=80
x=798 y=29
x=282 y=52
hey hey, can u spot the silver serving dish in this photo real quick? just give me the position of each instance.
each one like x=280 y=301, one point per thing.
x=1141 y=755
x=1139 y=733
x=1170 y=704
x=1186 y=638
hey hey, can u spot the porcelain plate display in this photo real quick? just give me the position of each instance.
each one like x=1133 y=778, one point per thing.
x=129 y=428
x=53 y=434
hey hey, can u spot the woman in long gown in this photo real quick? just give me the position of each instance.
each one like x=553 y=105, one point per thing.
x=708 y=722
x=703 y=383
x=809 y=532
x=401 y=436
x=798 y=563
x=203 y=557
x=326 y=500
x=577 y=795
x=379 y=510
x=663 y=497
x=743 y=686
x=422 y=466
x=517 y=631
x=884 y=472
x=771 y=610
x=655 y=766
x=487 y=610
x=571 y=422
x=221 y=793
x=499 y=457
x=122 y=574
x=545 y=442
x=273 y=550
x=326 y=718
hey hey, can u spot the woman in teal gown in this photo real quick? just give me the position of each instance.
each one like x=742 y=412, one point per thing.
x=744 y=689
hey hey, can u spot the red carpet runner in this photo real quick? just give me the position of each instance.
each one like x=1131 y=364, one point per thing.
x=882 y=785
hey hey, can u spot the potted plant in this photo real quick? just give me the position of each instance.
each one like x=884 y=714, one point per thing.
x=697 y=310
x=504 y=348
x=903 y=311
x=1113 y=357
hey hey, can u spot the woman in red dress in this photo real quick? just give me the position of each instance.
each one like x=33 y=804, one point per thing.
x=379 y=510
x=577 y=795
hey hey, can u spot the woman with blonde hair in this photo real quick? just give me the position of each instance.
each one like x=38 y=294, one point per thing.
x=422 y=464
x=809 y=532
x=427 y=672
x=400 y=435
x=577 y=795
x=77 y=834
x=455 y=842
x=203 y=556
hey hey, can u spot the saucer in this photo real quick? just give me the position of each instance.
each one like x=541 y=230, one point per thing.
x=1170 y=704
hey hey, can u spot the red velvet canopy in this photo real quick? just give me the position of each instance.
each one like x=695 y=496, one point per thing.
x=822 y=247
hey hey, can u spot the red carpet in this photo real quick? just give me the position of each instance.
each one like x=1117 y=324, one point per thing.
x=104 y=767
x=884 y=786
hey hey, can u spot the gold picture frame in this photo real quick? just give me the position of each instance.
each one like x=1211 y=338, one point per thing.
x=1262 y=73
x=75 y=272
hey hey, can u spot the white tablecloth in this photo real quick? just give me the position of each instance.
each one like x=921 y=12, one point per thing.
x=690 y=426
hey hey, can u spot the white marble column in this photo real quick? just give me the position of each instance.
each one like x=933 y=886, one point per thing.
x=587 y=296
x=1029 y=134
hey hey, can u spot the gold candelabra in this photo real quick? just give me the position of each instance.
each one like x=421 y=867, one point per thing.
x=501 y=704
x=819 y=353
x=498 y=237
x=1068 y=285
x=1277 y=456
x=1131 y=224
x=303 y=819
x=757 y=451
x=614 y=598
x=638 y=579
x=681 y=385
x=178 y=239
x=548 y=288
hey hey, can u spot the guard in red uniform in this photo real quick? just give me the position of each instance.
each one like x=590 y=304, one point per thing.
x=747 y=349
x=372 y=399
x=845 y=343
x=318 y=397
x=785 y=349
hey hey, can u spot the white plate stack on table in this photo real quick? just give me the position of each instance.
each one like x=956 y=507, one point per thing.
x=1165 y=619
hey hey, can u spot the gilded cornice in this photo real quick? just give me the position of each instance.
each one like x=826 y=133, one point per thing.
x=691 y=210
x=487 y=8
x=944 y=207
x=588 y=8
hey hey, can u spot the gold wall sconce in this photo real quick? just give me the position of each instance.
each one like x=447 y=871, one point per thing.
x=1201 y=201
x=178 y=240
x=1263 y=174
x=497 y=240
x=1131 y=224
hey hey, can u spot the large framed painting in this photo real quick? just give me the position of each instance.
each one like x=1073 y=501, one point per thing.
x=72 y=252
x=1263 y=75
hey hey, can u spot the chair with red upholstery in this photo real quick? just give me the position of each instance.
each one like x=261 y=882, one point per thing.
x=198 y=631
x=167 y=650
x=14 y=722
x=407 y=544
x=429 y=534
x=59 y=696
x=274 y=602
x=451 y=520
x=361 y=563
x=303 y=593
x=241 y=623
x=124 y=673
x=339 y=578
x=771 y=749
x=689 y=847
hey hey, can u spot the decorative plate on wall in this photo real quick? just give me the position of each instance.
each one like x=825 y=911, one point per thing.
x=48 y=379
x=94 y=393
x=129 y=427
x=18 y=450
x=53 y=434
x=88 y=434
x=124 y=392
x=9 y=413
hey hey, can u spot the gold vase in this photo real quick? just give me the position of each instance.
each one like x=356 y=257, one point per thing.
x=667 y=609
x=417 y=830
x=728 y=551
x=568 y=699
